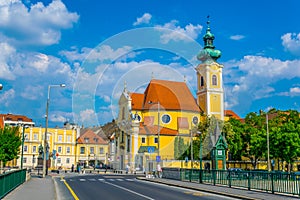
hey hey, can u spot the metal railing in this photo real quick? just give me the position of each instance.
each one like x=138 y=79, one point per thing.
x=11 y=180
x=274 y=182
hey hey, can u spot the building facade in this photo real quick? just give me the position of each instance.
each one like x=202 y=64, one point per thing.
x=91 y=150
x=61 y=147
x=158 y=124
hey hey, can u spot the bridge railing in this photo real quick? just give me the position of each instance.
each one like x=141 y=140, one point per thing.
x=274 y=182
x=10 y=180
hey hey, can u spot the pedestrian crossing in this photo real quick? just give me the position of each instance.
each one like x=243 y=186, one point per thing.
x=102 y=179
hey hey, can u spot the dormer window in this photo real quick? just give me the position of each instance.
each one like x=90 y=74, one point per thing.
x=96 y=139
x=86 y=140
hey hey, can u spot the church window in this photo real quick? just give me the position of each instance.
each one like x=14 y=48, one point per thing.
x=214 y=80
x=201 y=81
x=166 y=118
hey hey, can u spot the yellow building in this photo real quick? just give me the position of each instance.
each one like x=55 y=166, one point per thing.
x=91 y=150
x=152 y=123
x=62 y=143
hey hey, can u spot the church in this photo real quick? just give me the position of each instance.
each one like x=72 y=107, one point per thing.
x=152 y=124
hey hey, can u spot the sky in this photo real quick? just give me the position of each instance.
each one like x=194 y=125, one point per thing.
x=98 y=47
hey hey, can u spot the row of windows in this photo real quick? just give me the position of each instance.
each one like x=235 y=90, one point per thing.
x=59 y=137
x=92 y=150
x=144 y=140
x=35 y=149
x=34 y=160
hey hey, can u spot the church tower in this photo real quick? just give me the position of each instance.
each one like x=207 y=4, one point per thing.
x=210 y=93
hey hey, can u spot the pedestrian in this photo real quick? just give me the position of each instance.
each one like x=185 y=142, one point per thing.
x=159 y=171
x=127 y=168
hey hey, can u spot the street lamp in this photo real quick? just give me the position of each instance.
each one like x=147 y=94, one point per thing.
x=268 y=141
x=45 y=136
x=23 y=138
x=158 y=124
x=192 y=150
x=200 y=156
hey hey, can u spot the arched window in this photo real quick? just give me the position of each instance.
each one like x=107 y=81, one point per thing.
x=214 y=80
x=201 y=81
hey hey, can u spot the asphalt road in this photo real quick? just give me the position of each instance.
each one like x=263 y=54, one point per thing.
x=126 y=187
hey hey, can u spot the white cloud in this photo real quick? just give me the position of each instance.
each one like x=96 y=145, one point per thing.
x=88 y=117
x=178 y=33
x=291 y=42
x=294 y=91
x=5 y=98
x=45 y=22
x=6 y=55
x=57 y=118
x=145 y=19
x=237 y=37
x=32 y=92
x=253 y=77
x=102 y=53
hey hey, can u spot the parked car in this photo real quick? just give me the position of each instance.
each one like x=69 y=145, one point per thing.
x=236 y=173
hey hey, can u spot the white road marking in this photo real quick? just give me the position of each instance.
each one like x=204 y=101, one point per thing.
x=123 y=188
x=120 y=179
x=92 y=179
x=129 y=179
x=82 y=179
x=101 y=179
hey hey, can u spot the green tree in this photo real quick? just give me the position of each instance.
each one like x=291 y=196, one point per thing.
x=233 y=130
x=10 y=142
x=284 y=136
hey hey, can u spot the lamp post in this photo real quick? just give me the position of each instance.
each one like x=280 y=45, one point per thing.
x=22 y=153
x=192 y=151
x=268 y=141
x=200 y=156
x=45 y=135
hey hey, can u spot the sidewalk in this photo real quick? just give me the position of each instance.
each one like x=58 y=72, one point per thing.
x=36 y=188
x=222 y=190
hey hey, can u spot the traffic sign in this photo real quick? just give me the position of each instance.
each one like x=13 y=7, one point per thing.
x=151 y=149
x=157 y=158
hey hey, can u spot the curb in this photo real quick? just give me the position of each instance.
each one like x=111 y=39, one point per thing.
x=198 y=189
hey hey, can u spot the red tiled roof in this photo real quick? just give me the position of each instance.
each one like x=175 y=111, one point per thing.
x=12 y=117
x=137 y=101
x=171 y=95
x=92 y=138
x=231 y=114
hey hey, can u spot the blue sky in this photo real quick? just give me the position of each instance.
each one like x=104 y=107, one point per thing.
x=94 y=47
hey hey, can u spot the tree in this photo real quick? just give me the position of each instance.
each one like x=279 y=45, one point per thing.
x=284 y=136
x=233 y=130
x=10 y=142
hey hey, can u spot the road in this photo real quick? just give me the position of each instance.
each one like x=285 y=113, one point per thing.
x=127 y=187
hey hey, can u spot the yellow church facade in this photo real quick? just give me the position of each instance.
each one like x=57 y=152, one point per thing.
x=152 y=123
